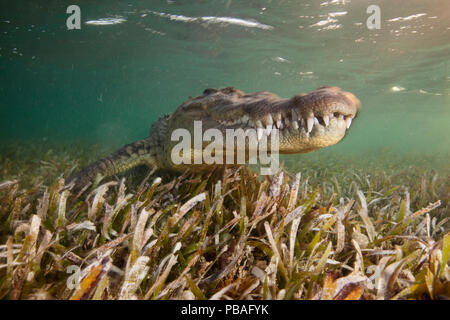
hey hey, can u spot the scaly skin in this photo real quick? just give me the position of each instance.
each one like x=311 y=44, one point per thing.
x=306 y=122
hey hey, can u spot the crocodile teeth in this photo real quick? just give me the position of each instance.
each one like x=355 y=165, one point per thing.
x=244 y=119
x=310 y=124
x=268 y=129
x=276 y=117
x=316 y=121
x=258 y=124
x=326 y=120
x=295 y=115
x=348 y=122
x=267 y=120
x=341 y=117
x=279 y=124
x=295 y=125
x=260 y=132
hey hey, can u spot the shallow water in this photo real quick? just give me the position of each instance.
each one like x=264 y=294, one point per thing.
x=133 y=61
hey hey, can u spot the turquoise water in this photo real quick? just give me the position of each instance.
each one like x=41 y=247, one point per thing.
x=107 y=82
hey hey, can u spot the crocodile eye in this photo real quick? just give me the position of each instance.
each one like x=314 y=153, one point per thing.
x=229 y=90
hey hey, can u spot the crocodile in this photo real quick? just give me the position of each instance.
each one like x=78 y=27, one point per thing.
x=306 y=122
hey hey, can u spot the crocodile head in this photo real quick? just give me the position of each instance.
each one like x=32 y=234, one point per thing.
x=306 y=122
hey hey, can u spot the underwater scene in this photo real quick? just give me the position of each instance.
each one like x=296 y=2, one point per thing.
x=96 y=204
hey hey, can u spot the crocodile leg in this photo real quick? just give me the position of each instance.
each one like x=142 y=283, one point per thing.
x=131 y=155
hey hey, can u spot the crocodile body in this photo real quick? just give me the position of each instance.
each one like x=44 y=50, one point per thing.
x=305 y=122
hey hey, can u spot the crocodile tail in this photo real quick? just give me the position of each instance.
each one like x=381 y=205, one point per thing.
x=129 y=156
